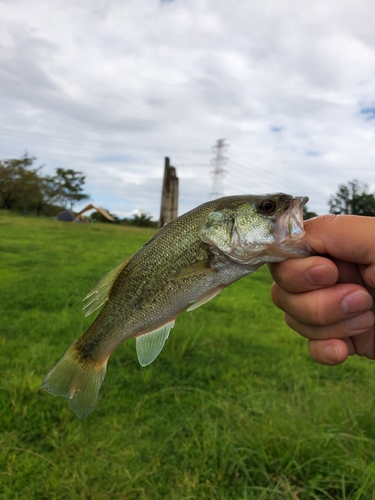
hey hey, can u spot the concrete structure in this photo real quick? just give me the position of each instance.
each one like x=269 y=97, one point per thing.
x=169 y=197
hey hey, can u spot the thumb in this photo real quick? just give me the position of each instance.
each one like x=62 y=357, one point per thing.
x=346 y=237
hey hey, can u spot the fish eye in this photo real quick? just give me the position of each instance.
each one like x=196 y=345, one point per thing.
x=267 y=207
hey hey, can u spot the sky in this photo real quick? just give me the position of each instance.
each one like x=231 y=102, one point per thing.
x=111 y=87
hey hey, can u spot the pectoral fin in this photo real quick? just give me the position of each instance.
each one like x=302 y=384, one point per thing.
x=100 y=293
x=200 y=267
x=205 y=298
x=149 y=345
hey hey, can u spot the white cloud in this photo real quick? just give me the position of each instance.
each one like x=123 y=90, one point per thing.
x=111 y=87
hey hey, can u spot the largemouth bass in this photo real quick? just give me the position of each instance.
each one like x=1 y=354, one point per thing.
x=186 y=264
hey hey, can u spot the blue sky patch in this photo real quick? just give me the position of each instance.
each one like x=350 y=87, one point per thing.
x=369 y=113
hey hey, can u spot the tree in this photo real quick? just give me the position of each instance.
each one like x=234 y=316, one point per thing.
x=353 y=198
x=143 y=220
x=98 y=217
x=307 y=214
x=65 y=188
x=21 y=188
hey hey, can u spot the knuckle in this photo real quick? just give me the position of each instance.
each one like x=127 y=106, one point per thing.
x=319 y=310
x=287 y=274
x=292 y=323
x=276 y=272
x=275 y=295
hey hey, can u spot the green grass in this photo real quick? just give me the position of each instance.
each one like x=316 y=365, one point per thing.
x=233 y=408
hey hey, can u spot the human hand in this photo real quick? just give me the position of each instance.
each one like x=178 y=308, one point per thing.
x=330 y=301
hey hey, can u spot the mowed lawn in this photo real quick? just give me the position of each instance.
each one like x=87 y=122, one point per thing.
x=233 y=408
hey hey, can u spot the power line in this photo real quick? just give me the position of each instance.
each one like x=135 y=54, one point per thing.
x=96 y=142
x=129 y=153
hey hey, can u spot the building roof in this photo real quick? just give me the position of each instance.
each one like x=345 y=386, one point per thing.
x=98 y=209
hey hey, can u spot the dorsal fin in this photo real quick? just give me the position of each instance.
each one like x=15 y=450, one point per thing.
x=100 y=293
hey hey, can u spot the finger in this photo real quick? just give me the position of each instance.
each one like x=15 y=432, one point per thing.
x=368 y=274
x=331 y=352
x=344 y=237
x=365 y=344
x=325 y=306
x=303 y=275
x=351 y=327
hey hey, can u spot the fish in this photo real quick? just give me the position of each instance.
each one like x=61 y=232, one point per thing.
x=187 y=263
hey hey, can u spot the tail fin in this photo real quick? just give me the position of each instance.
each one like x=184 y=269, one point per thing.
x=79 y=381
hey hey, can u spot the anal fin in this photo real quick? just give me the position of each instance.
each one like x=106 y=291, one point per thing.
x=149 y=345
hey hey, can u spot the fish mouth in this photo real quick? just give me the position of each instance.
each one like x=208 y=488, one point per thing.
x=295 y=217
x=290 y=231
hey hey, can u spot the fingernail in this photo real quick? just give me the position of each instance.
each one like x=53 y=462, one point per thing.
x=362 y=322
x=331 y=353
x=356 y=302
x=321 y=275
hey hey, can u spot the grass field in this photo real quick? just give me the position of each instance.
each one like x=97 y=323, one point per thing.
x=233 y=408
